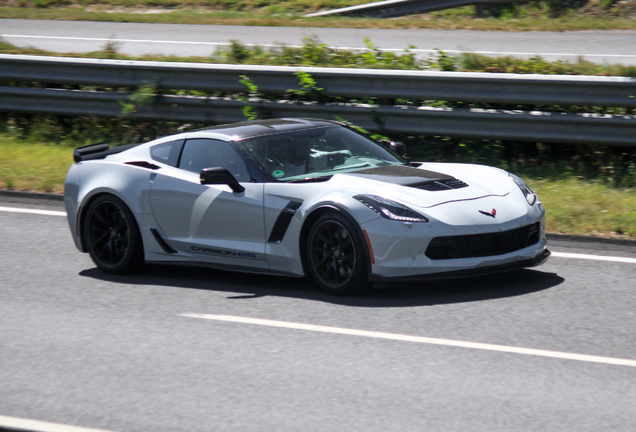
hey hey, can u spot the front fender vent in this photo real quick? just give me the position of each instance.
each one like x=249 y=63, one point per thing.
x=282 y=222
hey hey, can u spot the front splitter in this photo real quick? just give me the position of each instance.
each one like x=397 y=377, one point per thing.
x=460 y=274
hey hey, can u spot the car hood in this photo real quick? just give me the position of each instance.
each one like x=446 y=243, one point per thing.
x=430 y=184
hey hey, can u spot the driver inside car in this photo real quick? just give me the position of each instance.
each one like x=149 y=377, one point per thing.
x=294 y=157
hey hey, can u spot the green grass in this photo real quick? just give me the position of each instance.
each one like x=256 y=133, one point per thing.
x=32 y=166
x=535 y=16
x=573 y=206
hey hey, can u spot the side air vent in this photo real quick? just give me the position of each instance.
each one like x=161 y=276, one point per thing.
x=282 y=222
x=144 y=164
x=161 y=242
x=441 y=185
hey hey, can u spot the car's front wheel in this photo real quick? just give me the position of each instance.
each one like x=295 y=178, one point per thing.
x=335 y=257
x=112 y=236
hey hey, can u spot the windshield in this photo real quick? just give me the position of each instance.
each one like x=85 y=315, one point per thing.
x=316 y=153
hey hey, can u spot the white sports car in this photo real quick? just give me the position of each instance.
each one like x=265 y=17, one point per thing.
x=299 y=197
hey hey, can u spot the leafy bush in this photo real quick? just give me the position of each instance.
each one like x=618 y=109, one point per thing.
x=77 y=131
x=315 y=53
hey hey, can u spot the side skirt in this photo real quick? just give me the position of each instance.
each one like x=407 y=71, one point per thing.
x=232 y=268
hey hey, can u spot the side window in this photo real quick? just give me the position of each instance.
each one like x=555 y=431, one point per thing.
x=167 y=153
x=203 y=153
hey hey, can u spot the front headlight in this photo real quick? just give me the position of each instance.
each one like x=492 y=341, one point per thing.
x=390 y=209
x=531 y=197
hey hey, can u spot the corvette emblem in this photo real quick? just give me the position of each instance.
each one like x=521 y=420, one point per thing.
x=492 y=214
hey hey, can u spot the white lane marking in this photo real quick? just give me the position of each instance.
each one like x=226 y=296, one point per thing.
x=115 y=40
x=430 y=51
x=594 y=257
x=40 y=426
x=418 y=339
x=32 y=211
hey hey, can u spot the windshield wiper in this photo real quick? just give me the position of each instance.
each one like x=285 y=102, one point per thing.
x=311 y=179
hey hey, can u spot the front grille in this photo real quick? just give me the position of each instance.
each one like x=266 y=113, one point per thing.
x=441 y=185
x=482 y=245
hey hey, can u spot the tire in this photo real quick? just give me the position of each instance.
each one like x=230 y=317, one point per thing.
x=335 y=255
x=112 y=236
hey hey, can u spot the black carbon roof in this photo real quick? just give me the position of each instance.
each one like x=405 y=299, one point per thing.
x=250 y=129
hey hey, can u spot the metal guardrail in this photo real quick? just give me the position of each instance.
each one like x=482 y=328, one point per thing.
x=392 y=8
x=467 y=123
x=350 y=83
x=385 y=85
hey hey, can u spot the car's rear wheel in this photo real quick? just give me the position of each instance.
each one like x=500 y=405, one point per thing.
x=335 y=257
x=112 y=236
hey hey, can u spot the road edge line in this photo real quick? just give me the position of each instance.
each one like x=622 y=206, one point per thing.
x=12 y=424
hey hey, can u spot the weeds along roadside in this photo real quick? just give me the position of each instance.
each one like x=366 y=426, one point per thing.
x=317 y=54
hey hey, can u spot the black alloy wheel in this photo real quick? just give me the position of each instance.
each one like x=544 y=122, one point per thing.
x=112 y=236
x=335 y=256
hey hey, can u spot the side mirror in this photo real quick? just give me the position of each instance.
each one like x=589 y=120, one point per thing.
x=398 y=147
x=220 y=176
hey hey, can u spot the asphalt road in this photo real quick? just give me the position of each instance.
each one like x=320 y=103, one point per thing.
x=201 y=40
x=78 y=347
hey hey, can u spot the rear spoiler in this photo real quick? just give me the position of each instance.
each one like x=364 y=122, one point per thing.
x=98 y=151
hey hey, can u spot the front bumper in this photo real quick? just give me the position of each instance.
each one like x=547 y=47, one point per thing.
x=400 y=249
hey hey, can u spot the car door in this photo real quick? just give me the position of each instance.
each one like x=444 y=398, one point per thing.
x=210 y=221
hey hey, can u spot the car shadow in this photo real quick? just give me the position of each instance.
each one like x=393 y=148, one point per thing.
x=251 y=286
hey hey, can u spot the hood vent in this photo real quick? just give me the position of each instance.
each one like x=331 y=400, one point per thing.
x=411 y=177
x=440 y=185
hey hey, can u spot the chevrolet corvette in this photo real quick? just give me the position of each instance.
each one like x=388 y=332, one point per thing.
x=299 y=197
